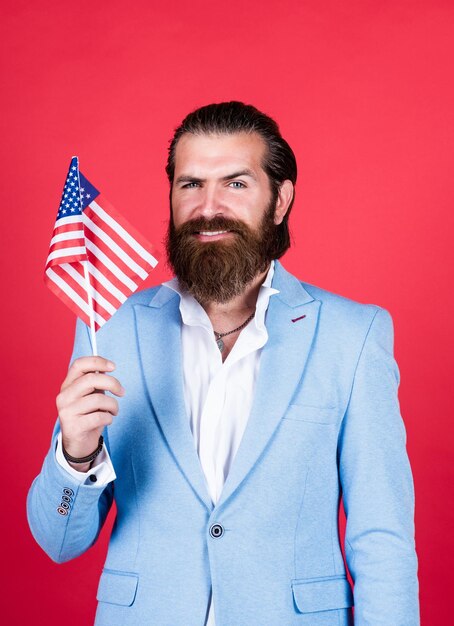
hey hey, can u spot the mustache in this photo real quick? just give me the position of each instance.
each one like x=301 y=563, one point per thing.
x=219 y=222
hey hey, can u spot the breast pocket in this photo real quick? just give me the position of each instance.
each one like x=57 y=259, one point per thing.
x=313 y=414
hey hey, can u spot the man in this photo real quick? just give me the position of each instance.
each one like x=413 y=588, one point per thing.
x=248 y=403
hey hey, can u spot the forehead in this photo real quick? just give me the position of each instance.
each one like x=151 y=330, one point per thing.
x=218 y=152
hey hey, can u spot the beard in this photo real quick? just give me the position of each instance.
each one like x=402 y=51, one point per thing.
x=220 y=270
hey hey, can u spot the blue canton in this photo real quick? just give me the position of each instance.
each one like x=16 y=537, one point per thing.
x=74 y=198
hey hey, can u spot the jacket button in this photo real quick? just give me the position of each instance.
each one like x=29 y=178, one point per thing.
x=216 y=531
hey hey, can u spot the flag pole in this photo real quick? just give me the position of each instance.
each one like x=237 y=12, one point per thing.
x=94 y=346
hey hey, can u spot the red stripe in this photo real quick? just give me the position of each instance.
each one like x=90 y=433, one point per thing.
x=112 y=256
x=103 y=291
x=108 y=274
x=81 y=291
x=113 y=234
x=66 y=299
x=108 y=208
x=74 y=258
x=67 y=228
x=68 y=243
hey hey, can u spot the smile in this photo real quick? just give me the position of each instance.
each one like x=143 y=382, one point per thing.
x=212 y=233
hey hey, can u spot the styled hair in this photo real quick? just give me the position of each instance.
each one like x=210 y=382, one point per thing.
x=228 y=118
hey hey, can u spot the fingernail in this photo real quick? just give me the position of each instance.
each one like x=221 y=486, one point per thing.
x=122 y=391
x=110 y=365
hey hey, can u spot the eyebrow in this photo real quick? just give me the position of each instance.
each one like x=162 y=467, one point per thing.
x=185 y=178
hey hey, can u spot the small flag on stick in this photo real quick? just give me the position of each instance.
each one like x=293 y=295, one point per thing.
x=96 y=258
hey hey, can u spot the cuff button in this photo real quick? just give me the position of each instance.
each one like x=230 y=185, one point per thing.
x=62 y=511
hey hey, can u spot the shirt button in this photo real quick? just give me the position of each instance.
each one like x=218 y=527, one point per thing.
x=216 y=531
x=93 y=478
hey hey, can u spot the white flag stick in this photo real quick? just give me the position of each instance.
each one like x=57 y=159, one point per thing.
x=91 y=310
x=94 y=346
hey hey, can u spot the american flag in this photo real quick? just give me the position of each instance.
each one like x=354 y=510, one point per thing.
x=90 y=232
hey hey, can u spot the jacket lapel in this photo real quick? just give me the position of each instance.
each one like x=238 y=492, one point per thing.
x=159 y=346
x=282 y=364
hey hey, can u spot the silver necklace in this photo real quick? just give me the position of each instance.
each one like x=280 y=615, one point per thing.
x=219 y=336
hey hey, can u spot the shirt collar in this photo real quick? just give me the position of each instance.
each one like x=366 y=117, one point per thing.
x=193 y=314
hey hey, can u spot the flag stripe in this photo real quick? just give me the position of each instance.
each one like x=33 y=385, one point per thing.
x=67 y=245
x=122 y=232
x=72 y=295
x=104 y=248
x=81 y=289
x=101 y=279
x=115 y=236
x=80 y=279
x=110 y=276
x=113 y=267
x=64 y=221
x=114 y=247
x=108 y=208
x=66 y=236
x=64 y=252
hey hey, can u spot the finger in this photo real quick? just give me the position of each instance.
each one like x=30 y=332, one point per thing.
x=87 y=384
x=89 y=404
x=96 y=420
x=86 y=424
x=86 y=364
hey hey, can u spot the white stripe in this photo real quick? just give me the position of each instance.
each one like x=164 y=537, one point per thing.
x=121 y=254
x=58 y=254
x=69 y=269
x=72 y=234
x=135 y=245
x=73 y=295
x=130 y=284
x=64 y=221
x=102 y=278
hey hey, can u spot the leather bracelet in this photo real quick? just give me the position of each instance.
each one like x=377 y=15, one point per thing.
x=84 y=459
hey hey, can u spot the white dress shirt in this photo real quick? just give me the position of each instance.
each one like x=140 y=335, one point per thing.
x=218 y=395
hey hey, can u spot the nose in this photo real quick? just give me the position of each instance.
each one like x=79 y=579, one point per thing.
x=209 y=205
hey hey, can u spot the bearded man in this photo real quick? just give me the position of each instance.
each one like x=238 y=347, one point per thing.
x=249 y=404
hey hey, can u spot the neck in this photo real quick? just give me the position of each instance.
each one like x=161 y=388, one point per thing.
x=243 y=304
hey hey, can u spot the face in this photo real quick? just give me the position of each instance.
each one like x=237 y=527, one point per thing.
x=223 y=214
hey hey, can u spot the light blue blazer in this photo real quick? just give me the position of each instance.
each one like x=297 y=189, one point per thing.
x=325 y=423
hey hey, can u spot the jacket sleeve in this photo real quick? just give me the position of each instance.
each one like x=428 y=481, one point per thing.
x=378 y=488
x=65 y=516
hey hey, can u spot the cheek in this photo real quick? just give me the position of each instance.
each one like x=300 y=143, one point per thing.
x=180 y=210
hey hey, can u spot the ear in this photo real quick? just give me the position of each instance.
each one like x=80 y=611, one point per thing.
x=284 y=199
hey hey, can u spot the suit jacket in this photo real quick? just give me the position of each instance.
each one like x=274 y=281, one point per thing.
x=325 y=423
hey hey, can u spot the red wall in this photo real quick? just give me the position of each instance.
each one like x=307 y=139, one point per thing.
x=363 y=91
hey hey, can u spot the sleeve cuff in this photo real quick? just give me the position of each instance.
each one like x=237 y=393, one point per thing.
x=102 y=468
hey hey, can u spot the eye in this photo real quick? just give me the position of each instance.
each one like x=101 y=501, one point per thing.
x=236 y=184
x=190 y=185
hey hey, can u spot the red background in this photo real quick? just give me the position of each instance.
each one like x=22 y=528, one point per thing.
x=363 y=91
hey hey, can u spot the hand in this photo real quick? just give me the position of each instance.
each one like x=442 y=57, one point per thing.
x=83 y=407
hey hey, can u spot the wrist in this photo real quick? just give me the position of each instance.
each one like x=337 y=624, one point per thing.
x=83 y=461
